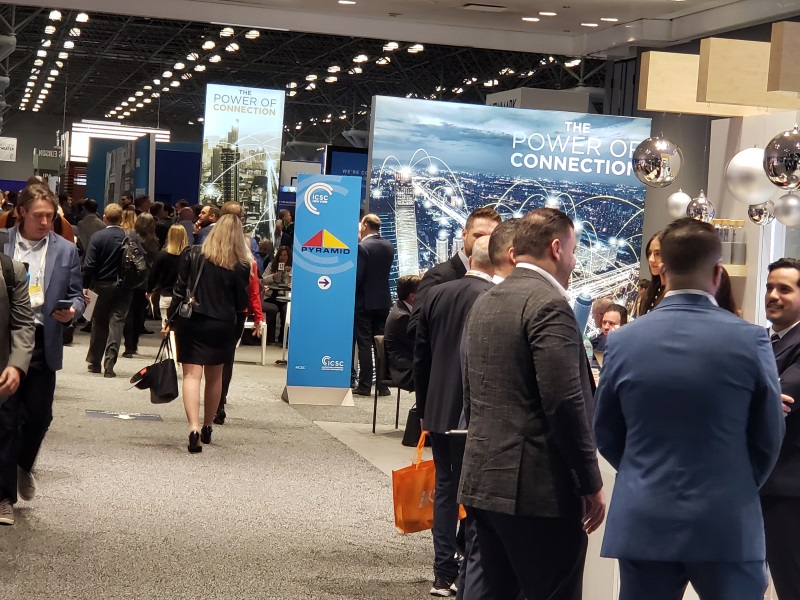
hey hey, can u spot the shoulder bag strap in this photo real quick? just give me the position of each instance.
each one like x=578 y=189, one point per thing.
x=197 y=256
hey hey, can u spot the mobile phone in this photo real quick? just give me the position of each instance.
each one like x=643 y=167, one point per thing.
x=63 y=305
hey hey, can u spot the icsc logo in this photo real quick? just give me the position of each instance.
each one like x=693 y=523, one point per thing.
x=328 y=364
x=317 y=193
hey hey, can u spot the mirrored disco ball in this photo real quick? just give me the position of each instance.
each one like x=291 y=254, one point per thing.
x=787 y=210
x=677 y=204
x=762 y=214
x=701 y=209
x=657 y=162
x=782 y=159
x=745 y=177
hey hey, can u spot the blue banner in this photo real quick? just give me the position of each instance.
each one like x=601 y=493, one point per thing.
x=324 y=281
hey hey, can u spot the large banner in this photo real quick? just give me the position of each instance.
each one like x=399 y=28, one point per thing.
x=432 y=163
x=323 y=289
x=8 y=149
x=242 y=135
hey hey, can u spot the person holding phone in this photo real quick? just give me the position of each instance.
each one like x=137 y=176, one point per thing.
x=277 y=273
x=56 y=296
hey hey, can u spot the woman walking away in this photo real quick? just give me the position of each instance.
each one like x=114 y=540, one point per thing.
x=165 y=268
x=145 y=229
x=212 y=280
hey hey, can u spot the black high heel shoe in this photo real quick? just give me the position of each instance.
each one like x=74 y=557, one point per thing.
x=194 y=442
x=205 y=434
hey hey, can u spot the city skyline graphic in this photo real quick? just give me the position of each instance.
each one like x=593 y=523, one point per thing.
x=432 y=163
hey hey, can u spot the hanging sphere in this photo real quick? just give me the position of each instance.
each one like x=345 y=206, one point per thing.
x=677 y=204
x=762 y=214
x=782 y=159
x=746 y=179
x=657 y=162
x=701 y=209
x=787 y=210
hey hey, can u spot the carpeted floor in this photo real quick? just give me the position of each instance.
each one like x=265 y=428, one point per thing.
x=274 y=508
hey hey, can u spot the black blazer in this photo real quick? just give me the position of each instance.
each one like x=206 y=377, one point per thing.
x=437 y=360
x=104 y=255
x=400 y=347
x=785 y=477
x=530 y=449
x=442 y=273
x=375 y=257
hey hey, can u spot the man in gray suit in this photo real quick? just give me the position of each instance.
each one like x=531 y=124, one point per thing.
x=16 y=348
x=530 y=475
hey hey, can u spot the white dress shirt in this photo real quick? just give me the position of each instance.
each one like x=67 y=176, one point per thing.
x=694 y=292
x=782 y=332
x=550 y=279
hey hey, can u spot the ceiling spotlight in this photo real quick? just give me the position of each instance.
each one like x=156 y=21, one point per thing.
x=59 y=64
x=48 y=85
x=63 y=55
x=490 y=83
x=507 y=71
x=233 y=47
x=35 y=109
x=186 y=76
x=361 y=58
x=334 y=69
x=166 y=74
x=120 y=117
x=55 y=15
x=191 y=122
x=389 y=47
x=355 y=71
x=30 y=84
x=41 y=53
x=147 y=100
x=208 y=45
x=45 y=91
x=545 y=13
x=531 y=19
x=291 y=85
x=50 y=29
x=112 y=112
x=346 y=2
x=609 y=19
x=293 y=93
x=127 y=113
x=156 y=94
x=175 y=83
x=138 y=94
x=200 y=68
x=156 y=81
x=416 y=48
x=47 y=43
x=140 y=105
x=131 y=99
x=179 y=66
x=588 y=24
x=164 y=89
x=69 y=44
x=51 y=79
x=311 y=86
x=331 y=79
x=34 y=77
x=311 y=77
x=53 y=72
x=200 y=120
x=252 y=34
x=193 y=56
x=215 y=59
x=227 y=32
x=123 y=104
x=147 y=87
x=82 y=18
x=75 y=32
x=27 y=94
x=383 y=61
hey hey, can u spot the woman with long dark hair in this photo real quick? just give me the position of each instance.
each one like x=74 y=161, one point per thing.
x=724 y=295
x=655 y=291
x=279 y=271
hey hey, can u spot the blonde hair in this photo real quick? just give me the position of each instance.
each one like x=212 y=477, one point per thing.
x=225 y=245
x=128 y=220
x=177 y=240
x=113 y=213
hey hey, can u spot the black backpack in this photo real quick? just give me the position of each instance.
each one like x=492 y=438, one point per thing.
x=133 y=266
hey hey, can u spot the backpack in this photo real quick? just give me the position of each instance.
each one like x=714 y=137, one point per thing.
x=132 y=271
x=8 y=274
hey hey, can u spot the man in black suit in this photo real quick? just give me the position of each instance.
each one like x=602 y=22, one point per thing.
x=100 y=271
x=481 y=222
x=399 y=346
x=780 y=496
x=373 y=299
x=440 y=399
x=530 y=477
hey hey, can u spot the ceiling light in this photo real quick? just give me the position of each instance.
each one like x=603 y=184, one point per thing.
x=361 y=58
x=293 y=93
x=208 y=45
x=227 y=32
x=120 y=117
x=200 y=120
x=179 y=66
x=34 y=77
x=38 y=62
x=175 y=83
x=131 y=99
x=383 y=61
x=311 y=77
x=41 y=53
x=356 y=71
x=164 y=89
x=123 y=104
x=82 y=18
x=30 y=84
x=200 y=68
x=233 y=47
x=27 y=94
x=458 y=90
x=545 y=13
x=252 y=34
x=573 y=63
x=127 y=113
x=416 y=48
x=48 y=85
x=166 y=74
x=112 y=112
x=391 y=46
x=140 y=105
x=193 y=56
x=63 y=55
x=54 y=72
x=311 y=86
x=51 y=79
x=75 y=32
x=490 y=83
x=588 y=24
x=609 y=19
x=291 y=85
x=69 y=44
x=191 y=122
x=156 y=94
x=55 y=15
x=147 y=100
x=133 y=110
x=59 y=64
x=148 y=87
x=346 y=2
x=50 y=29
x=334 y=69
x=45 y=91
x=331 y=79
x=215 y=59
x=531 y=19
x=157 y=81
x=35 y=109
x=186 y=76
x=46 y=43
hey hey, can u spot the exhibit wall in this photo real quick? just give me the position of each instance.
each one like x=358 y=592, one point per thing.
x=352 y=162
x=432 y=163
x=96 y=168
x=177 y=175
x=242 y=136
x=31 y=131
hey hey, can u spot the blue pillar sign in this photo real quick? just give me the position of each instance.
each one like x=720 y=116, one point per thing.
x=323 y=289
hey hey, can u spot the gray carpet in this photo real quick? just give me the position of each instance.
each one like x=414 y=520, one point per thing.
x=274 y=508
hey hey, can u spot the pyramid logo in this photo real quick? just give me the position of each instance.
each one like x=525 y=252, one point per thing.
x=324 y=242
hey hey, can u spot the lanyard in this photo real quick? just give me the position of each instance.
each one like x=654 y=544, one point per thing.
x=40 y=271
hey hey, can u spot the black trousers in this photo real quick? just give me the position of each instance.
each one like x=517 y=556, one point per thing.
x=369 y=323
x=134 y=321
x=272 y=308
x=227 y=369
x=448 y=455
x=25 y=418
x=541 y=557
x=108 y=322
x=782 y=528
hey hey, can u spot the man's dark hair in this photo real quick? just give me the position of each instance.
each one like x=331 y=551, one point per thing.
x=407 y=285
x=786 y=263
x=483 y=213
x=196 y=209
x=181 y=204
x=140 y=201
x=688 y=244
x=501 y=240
x=170 y=210
x=619 y=309
x=214 y=210
x=156 y=208
x=90 y=206
x=13 y=198
x=537 y=230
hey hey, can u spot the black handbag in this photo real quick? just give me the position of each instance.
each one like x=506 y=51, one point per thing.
x=413 y=429
x=161 y=378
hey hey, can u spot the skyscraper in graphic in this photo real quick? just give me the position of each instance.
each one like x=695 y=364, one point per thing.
x=406 y=225
x=229 y=178
x=442 y=244
x=458 y=244
x=233 y=134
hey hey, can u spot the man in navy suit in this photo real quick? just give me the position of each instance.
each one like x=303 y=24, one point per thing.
x=399 y=346
x=55 y=274
x=689 y=414
x=780 y=496
x=373 y=298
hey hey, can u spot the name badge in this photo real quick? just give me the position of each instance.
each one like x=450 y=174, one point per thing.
x=37 y=295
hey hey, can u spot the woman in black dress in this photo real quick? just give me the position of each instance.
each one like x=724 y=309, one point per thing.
x=219 y=272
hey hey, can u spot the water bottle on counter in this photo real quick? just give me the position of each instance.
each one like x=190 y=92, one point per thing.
x=738 y=244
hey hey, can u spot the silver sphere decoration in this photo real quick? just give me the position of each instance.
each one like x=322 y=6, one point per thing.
x=762 y=214
x=782 y=159
x=746 y=179
x=657 y=162
x=701 y=209
x=677 y=204
x=787 y=210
